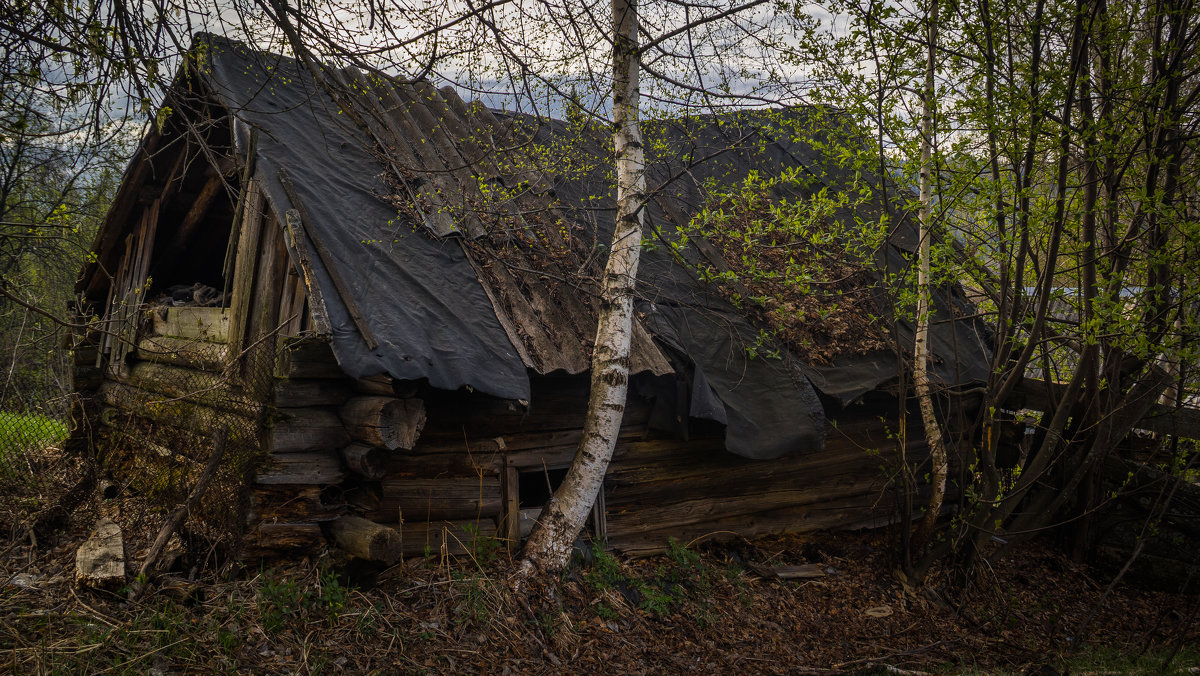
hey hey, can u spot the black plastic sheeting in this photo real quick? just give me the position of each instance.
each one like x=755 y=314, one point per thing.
x=419 y=296
x=433 y=320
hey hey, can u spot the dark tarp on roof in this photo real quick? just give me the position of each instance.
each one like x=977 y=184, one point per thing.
x=420 y=296
x=432 y=314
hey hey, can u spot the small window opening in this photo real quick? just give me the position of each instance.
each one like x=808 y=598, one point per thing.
x=537 y=485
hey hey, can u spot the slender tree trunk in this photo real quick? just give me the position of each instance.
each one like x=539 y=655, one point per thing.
x=933 y=431
x=549 y=545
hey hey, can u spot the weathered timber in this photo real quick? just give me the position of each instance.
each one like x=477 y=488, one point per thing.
x=294 y=502
x=444 y=537
x=269 y=539
x=188 y=352
x=435 y=499
x=846 y=513
x=308 y=429
x=302 y=468
x=387 y=422
x=297 y=245
x=297 y=393
x=307 y=358
x=245 y=264
x=180 y=413
x=369 y=462
x=366 y=539
x=198 y=323
x=100 y=560
x=409 y=466
x=190 y=385
x=331 y=267
x=660 y=514
x=380 y=386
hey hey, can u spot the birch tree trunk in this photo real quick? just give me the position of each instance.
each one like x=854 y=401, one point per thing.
x=933 y=432
x=549 y=545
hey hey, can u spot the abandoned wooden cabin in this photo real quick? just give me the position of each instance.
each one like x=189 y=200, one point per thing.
x=390 y=307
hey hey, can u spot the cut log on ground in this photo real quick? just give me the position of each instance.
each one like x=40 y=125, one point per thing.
x=366 y=539
x=387 y=422
x=100 y=561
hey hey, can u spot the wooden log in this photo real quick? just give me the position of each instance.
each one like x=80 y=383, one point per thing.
x=298 y=393
x=449 y=537
x=188 y=352
x=302 y=468
x=380 y=386
x=387 y=422
x=199 y=387
x=366 y=539
x=369 y=462
x=308 y=429
x=291 y=503
x=307 y=358
x=100 y=560
x=436 y=499
x=269 y=539
x=179 y=413
x=198 y=323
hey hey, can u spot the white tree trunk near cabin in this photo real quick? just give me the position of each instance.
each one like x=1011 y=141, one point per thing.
x=933 y=432
x=549 y=545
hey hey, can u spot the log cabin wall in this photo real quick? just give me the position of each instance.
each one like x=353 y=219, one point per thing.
x=482 y=467
x=164 y=369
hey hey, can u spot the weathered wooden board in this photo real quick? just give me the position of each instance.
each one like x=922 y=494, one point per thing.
x=297 y=393
x=449 y=537
x=290 y=503
x=198 y=323
x=199 y=387
x=452 y=498
x=307 y=358
x=307 y=429
x=302 y=468
x=178 y=413
x=272 y=539
x=188 y=352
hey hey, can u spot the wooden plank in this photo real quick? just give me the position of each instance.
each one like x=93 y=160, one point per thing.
x=210 y=190
x=272 y=539
x=210 y=324
x=313 y=468
x=510 y=515
x=297 y=245
x=290 y=503
x=296 y=393
x=436 y=499
x=178 y=413
x=239 y=209
x=245 y=265
x=199 y=387
x=331 y=268
x=307 y=429
x=308 y=357
x=188 y=352
x=453 y=538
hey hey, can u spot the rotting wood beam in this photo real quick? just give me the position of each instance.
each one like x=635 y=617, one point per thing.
x=327 y=260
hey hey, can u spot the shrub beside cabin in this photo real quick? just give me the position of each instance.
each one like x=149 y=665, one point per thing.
x=387 y=296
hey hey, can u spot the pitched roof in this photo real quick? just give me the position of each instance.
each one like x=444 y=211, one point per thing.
x=474 y=259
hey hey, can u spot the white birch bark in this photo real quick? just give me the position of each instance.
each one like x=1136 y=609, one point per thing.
x=933 y=432
x=549 y=545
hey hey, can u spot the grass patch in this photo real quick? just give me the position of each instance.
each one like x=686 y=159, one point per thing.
x=22 y=433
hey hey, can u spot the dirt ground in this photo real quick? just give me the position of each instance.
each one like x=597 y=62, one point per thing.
x=701 y=609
